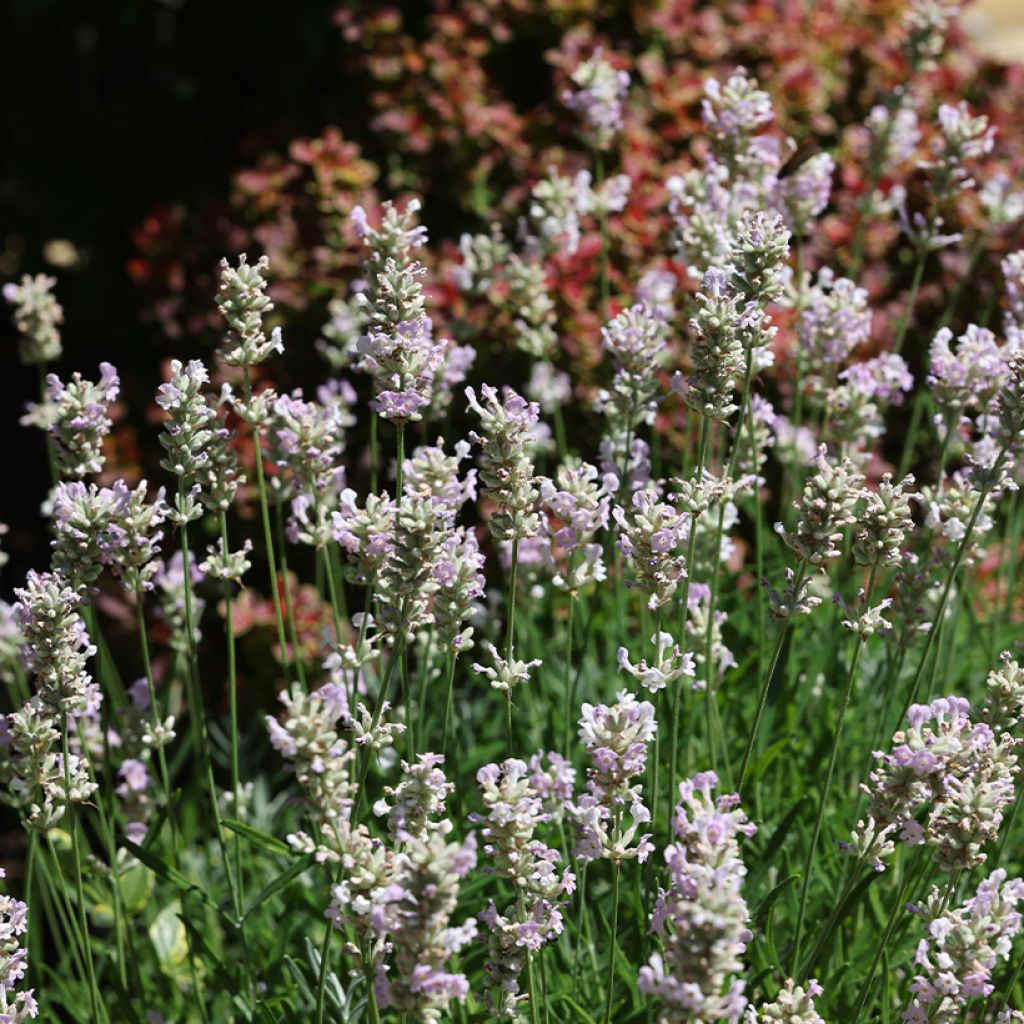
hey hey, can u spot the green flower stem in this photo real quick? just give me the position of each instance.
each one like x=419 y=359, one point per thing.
x=197 y=714
x=510 y=628
x=901 y=899
x=908 y=309
x=766 y=683
x=684 y=615
x=289 y=603
x=268 y=539
x=713 y=722
x=610 y=982
x=229 y=630
x=95 y=1000
x=382 y=694
x=448 y=702
x=829 y=773
x=958 y=559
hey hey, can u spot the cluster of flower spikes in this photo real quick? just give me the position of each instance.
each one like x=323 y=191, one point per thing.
x=37 y=318
x=793 y=1005
x=506 y=437
x=577 y=502
x=514 y=811
x=598 y=95
x=701 y=918
x=740 y=176
x=15 y=1006
x=308 y=739
x=398 y=349
x=55 y=648
x=963 y=945
x=417 y=904
x=616 y=739
x=948 y=778
x=76 y=417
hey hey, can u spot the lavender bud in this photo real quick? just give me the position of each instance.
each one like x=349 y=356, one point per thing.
x=243 y=302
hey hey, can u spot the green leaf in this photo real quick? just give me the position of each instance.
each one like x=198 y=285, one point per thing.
x=174 y=877
x=764 y=916
x=262 y=840
x=284 y=879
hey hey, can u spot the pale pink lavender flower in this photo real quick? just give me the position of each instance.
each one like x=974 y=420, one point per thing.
x=650 y=534
x=460 y=583
x=597 y=95
x=366 y=534
x=399 y=349
x=514 y=812
x=506 y=468
x=56 y=645
x=17 y=1006
x=895 y=135
x=946 y=783
x=78 y=419
x=802 y=196
x=548 y=387
x=616 y=739
x=577 y=503
x=793 y=1005
x=835 y=321
x=701 y=919
x=885 y=378
x=962 y=947
x=670 y=664
x=1013 y=274
x=969 y=376
x=734 y=112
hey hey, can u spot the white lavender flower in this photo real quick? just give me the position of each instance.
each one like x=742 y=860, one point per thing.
x=793 y=1005
x=37 y=317
x=670 y=664
x=650 y=534
x=243 y=302
x=824 y=509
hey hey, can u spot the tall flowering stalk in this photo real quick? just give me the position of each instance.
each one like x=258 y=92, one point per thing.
x=507 y=478
x=243 y=302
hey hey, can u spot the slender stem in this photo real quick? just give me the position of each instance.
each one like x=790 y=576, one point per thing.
x=567 y=687
x=229 y=629
x=83 y=922
x=865 y=990
x=829 y=772
x=325 y=949
x=766 y=683
x=289 y=604
x=581 y=910
x=915 y=287
x=510 y=628
x=448 y=702
x=268 y=539
x=603 y=227
x=958 y=559
x=610 y=983
x=374 y=720
x=684 y=614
